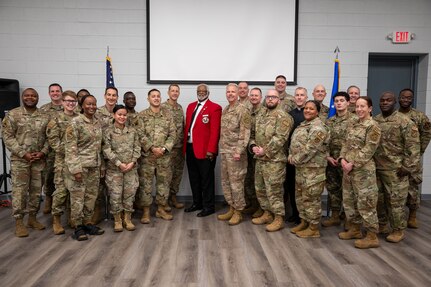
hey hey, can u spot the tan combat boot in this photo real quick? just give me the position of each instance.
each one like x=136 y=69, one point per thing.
x=56 y=225
x=334 y=220
x=175 y=203
x=265 y=218
x=396 y=236
x=161 y=213
x=302 y=226
x=226 y=216
x=33 y=223
x=276 y=224
x=353 y=233
x=128 y=221
x=48 y=205
x=311 y=232
x=236 y=218
x=20 y=229
x=168 y=208
x=412 y=221
x=370 y=241
x=257 y=213
x=145 y=219
x=384 y=229
x=118 y=223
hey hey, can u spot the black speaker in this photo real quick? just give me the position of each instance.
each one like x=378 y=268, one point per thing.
x=9 y=95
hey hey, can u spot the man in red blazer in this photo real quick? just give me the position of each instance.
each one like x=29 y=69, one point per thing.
x=201 y=136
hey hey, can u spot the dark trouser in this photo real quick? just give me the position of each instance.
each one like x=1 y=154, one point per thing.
x=289 y=189
x=201 y=176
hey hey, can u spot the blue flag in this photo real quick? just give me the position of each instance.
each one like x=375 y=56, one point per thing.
x=109 y=74
x=335 y=85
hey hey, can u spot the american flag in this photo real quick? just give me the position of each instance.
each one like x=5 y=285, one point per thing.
x=109 y=73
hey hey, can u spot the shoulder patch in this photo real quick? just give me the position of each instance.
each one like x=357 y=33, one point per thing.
x=374 y=134
x=320 y=136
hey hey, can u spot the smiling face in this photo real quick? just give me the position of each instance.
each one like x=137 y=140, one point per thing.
x=280 y=84
x=319 y=93
x=120 y=117
x=255 y=97
x=30 y=98
x=300 y=97
x=55 y=93
x=69 y=104
x=130 y=101
x=363 y=110
x=89 y=106
x=174 y=93
x=202 y=92
x=354 y=94
x=154 y=99
x=406 y=99
x=243 y=90
x=111 y=97
x=310 y=111
x=232 y=94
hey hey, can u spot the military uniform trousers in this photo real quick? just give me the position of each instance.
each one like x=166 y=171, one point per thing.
x=360 y=195
x=232 y=179
x=392 y=198
x=268 y=179
x=61 y=195
x=414 y=195
x=249 y=189
x=149 y=167
x=83 y=194
x=122 y=188
x=310 y=183
x=334 y=182
x=48 y=174
x=177 y=166
x=26 y=187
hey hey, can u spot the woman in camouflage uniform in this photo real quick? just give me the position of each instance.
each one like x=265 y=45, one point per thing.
x=360 y=192
x=122 y=149
x=308 y=150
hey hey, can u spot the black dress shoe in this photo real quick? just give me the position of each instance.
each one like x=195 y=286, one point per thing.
x=192 y=208
x=205 y=212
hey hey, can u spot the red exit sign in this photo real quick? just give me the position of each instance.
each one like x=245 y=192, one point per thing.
x=401 y=37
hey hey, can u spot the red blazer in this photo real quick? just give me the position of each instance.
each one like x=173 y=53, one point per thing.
x=206 y=130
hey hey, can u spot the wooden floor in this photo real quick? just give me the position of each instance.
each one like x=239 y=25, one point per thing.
x=191 y=251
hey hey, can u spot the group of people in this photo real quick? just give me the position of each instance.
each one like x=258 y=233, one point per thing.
x=369 y=165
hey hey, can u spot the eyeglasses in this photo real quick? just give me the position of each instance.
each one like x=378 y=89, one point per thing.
x=70 y=101
x=272 y=97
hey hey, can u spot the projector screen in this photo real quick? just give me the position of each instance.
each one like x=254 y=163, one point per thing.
x=221 y=41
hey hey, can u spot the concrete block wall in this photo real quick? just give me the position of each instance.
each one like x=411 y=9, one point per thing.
x=46 y=41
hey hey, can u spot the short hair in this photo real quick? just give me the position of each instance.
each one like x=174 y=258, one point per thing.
x=233 y=85
x=173 y=85
x=111 y=88
x=128 y=93
x=257 y=89
x=153 y=90
x=55 y=85
x=69 y=93
x=119 y=107
x=367 y=99
x=83 y=100
x=281 y=76
x=301 y=88
x=406 y=90
x=30 y=89
x=353 y=86
x=342 y=94
x=316 y=103
x=82 y=90
x=205 y=85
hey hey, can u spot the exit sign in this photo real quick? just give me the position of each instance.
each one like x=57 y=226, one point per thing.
x=401 y=37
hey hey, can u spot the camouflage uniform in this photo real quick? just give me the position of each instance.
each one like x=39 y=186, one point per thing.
x=177 y=156
x=155 y=130
x=308 y=151
x=399 y=147
x=25 y=132
x=338 y=127
x=55 y=133
x=83 y=146
x=287 y=102
x=249 y=189
x=271 y=133
x=48 y=173
x=121 y=146
x=105 y=117
x=352 y=108
x=360 y=190
x=234 y=137
x=424 y=127
x=132 y=118
x=324 y=111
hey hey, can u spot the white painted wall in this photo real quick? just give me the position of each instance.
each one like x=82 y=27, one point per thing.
x=45 y=41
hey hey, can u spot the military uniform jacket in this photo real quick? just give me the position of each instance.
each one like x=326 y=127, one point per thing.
x=83 y=144
x=121 y=145
x=178 y=116
x=104 y=116
x=309 y=144
x=24 y=132
x=399 y=144
x=51 y=109
x=324 y=110
x=424 y=127
x=235 y=129
x=56 y=130
x=156 y=130
x=287 y=102
x=338 y=127
x=360 y=144
x=272 y=131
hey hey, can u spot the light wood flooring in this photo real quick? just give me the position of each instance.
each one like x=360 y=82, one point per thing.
x=192 y=251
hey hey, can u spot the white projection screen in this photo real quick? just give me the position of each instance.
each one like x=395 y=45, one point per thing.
x=221 y=41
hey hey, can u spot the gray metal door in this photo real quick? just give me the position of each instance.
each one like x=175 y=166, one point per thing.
x=388 y=72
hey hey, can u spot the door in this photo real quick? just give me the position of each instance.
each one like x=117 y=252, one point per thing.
x=389 y=72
